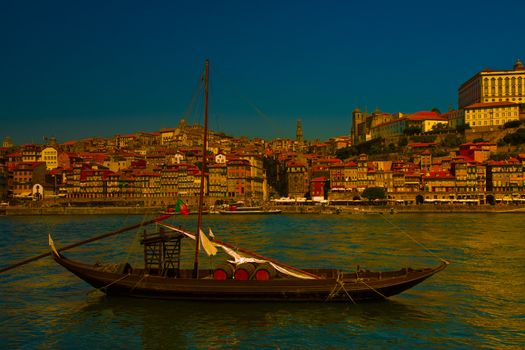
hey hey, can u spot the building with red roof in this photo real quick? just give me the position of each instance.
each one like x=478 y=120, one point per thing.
x=317 y=188
x=490 y=85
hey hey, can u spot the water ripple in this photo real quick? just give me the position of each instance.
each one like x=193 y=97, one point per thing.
x=477 y=302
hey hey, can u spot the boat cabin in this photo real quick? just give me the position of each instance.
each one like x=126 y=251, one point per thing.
x=162 y=252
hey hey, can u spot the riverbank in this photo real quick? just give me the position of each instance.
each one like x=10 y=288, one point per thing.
x=14 y=211
x=409 y=209
x=286 y=209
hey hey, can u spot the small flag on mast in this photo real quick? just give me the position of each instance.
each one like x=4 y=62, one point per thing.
x=181 y=207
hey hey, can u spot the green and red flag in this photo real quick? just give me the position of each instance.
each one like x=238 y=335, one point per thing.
x=181 y=207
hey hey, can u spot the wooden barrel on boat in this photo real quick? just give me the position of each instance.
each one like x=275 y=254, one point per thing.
x=223 y=272
x=265 y=272
x=244 y=271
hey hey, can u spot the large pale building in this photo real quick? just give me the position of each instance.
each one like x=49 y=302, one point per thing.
x=491 y=85
x=480 y=115
x=492 y=98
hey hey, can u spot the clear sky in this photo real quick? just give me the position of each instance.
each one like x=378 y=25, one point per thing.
x=76 y=69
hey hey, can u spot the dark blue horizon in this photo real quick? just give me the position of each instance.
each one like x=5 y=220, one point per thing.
x=80 y=69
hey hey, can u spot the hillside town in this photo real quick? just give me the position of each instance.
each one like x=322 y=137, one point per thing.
x=472 y=155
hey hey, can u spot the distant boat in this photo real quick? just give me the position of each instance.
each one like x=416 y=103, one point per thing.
x=234 y=210
x=245 y=276
x=171 y=212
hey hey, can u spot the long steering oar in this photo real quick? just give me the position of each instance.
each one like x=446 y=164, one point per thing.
x=109 y=234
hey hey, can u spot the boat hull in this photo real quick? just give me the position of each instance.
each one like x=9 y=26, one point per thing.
x=250 y=212
x=334 y=287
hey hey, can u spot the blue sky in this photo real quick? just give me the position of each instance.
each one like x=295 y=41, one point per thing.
x=75 y=69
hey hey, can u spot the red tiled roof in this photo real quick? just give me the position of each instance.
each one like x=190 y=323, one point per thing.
x=68 y=143
x=292 y=163
x=425 y=115
x=29 y=164
x=421 y=144
x=330 y=160
x=447 y=114
x=491 y=104
x=319 y=179
x=56 y=171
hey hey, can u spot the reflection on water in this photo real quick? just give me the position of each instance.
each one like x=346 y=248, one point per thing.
x=476 y=302
x=230 y=324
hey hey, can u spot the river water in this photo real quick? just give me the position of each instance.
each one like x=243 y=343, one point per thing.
x=477 y=302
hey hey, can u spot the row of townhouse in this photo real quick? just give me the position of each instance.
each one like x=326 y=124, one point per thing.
x=240 y=178
x=457 y=179
x=161 y=173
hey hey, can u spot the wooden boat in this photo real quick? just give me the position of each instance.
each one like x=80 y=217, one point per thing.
x=170 y=212
x=164 y=280
x=235 y=210
x=262 y=278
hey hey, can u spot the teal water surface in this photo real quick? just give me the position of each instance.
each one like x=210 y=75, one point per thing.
x=477 y=302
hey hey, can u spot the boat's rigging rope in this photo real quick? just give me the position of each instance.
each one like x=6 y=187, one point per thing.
x=132 y=246
x=278 y=127
x=107 y=285
x=136 y=284
x=413 y=239
x=372 y=288
x=337 y=287
x=192 y=105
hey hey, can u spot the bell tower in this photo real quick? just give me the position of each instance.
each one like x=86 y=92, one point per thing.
x=299 y=131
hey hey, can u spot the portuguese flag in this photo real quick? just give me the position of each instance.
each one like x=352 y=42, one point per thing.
x=181 y=207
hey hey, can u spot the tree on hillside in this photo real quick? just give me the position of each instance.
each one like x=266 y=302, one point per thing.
x=462 y=128
x=374 y=193
x=403 y=141
x=512 y=124
x=412 y=130
x=516 y=138
x=452 y=140
x=344 y=153
x=374 y=146
x=423 y=138
x=439 y=127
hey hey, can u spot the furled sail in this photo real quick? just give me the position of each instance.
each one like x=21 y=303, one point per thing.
x=207 y=245
x=238 y=258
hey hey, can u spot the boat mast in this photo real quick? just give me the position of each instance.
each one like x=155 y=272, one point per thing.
x=203 y=170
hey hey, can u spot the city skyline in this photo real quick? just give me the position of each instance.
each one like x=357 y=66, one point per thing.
x=74 y=71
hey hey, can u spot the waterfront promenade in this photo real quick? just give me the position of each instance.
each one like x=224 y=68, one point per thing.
x=286 y=209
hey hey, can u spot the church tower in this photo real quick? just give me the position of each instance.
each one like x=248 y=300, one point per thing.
x=358 y=126
x=299 y=132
